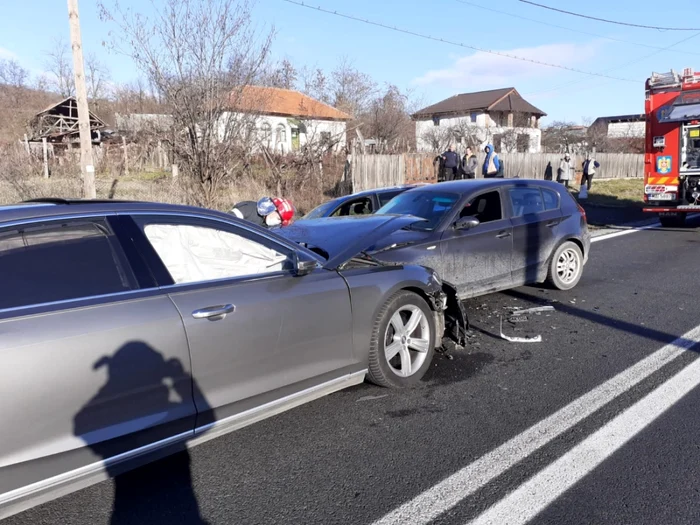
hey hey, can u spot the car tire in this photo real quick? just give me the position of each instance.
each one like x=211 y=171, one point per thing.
x=565 y=266
x=411 y=353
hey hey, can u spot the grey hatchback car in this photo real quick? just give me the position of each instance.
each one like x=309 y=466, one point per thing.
x=128 y=330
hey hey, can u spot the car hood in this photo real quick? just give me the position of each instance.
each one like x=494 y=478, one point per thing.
x=343 y=238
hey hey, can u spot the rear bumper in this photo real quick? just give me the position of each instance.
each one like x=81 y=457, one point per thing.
x=682 y=208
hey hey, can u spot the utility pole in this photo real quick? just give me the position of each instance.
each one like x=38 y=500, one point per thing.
x=87 y=167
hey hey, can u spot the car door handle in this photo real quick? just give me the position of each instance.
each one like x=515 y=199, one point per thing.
x=552 y=224
x=214 y=313
x=503 y=234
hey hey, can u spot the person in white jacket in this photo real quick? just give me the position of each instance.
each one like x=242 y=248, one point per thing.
x=566 y=170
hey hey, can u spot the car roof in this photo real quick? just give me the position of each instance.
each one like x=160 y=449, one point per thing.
x=50 y=208
x=461 y=186
x=381 y=190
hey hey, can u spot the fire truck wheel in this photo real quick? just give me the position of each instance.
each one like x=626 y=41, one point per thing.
x=565 y=267
x=672 y=221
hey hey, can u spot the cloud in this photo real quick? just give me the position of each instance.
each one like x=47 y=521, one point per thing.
x=487 y=70
x=6 y=54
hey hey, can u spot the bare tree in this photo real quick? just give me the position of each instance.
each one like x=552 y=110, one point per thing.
x=351 y=90
x=200 y=56
x=13 y=74
x=97 y=77
x=60 y=68
x=438 y=138
x=283 y=75
x=469 y=134
x=315 y=84
x=388 y=121
x=561 y=136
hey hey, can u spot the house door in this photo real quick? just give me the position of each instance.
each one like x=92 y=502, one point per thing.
x=295 y=139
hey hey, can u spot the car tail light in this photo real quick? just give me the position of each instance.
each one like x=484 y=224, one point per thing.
x=583 y=212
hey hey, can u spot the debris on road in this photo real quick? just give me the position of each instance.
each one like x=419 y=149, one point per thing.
x=535 y=339
x=371 y=398
x=534 y=310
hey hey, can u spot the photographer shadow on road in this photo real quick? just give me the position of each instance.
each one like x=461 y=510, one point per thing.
x=145 y=400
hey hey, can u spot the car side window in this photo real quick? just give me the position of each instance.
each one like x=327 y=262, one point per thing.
x=196 y=253
x=59 y=261
x=526 y=201
x=386 y=196
x=551 y=199
x=485 y=207
x=361 y=206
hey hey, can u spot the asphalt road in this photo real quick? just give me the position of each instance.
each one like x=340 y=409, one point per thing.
x=627 y=452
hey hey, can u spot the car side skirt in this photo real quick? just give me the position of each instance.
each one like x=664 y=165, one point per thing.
x=24 y=498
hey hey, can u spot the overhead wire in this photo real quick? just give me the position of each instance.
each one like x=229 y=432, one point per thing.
x=627 y=64
x=542 y=22
x=453 y=43
x=607 y=21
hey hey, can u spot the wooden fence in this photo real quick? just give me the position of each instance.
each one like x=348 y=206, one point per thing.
x=376 y=171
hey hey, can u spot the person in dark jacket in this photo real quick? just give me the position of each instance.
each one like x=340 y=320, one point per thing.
x=263 y=213
x=441 y=167
x=548 y=171
x=469 y=165
x=491 y=165
x=451 y=163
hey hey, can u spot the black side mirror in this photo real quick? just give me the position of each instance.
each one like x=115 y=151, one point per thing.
x=466 y=223
x=304 y=265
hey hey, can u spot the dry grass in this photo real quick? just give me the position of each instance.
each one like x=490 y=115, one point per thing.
x=620 y=193
x=21 y=178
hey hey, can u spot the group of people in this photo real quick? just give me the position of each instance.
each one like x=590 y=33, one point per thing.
x=566 y=171
x=454 y=168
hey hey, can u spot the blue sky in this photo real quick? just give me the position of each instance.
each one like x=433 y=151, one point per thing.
x=434 y=70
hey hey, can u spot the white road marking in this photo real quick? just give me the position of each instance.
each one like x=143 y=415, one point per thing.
x=532 y=497
x=612 y=235
x=449 y=492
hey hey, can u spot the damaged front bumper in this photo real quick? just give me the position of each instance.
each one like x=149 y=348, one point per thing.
x=451 y=319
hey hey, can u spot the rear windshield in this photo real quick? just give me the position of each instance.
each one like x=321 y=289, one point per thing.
x=430 y=205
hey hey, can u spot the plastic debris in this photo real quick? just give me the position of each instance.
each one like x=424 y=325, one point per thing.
x=533 y=310
x=371 y=398
x=535 y=339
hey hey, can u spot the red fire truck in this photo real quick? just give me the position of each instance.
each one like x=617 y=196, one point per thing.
x=672 y=148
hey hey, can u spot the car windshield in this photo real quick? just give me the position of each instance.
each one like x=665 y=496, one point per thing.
x=429 y=205
x=321 y=211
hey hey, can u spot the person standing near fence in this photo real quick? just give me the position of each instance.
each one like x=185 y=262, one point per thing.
x=469 y=165
x=451 y=163
x=491 y=165
x=548 y=171
x=566 y=169
x=589 y=167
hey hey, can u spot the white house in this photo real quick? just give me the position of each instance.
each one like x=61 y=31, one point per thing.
x=622 y=126
x=499 y=116
x=286 y=120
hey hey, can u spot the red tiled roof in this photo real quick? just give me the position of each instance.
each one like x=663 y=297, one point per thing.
x=284 y=102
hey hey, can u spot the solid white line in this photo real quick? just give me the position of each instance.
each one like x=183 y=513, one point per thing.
x=446 y=494
x=607 y=236
x=536 y=494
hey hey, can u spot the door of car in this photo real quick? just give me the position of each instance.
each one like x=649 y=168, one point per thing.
x=254 y=327
x=535 y=215
x=94 y=360
x=478 y=260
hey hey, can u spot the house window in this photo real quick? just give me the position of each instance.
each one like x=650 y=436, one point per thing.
x=281 y=134
x=266 y=132
x=436 y=121
x=523 y=143
x=472 y=117
x=325 y=138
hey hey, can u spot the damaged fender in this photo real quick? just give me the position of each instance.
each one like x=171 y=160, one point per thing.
x=450 y=316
